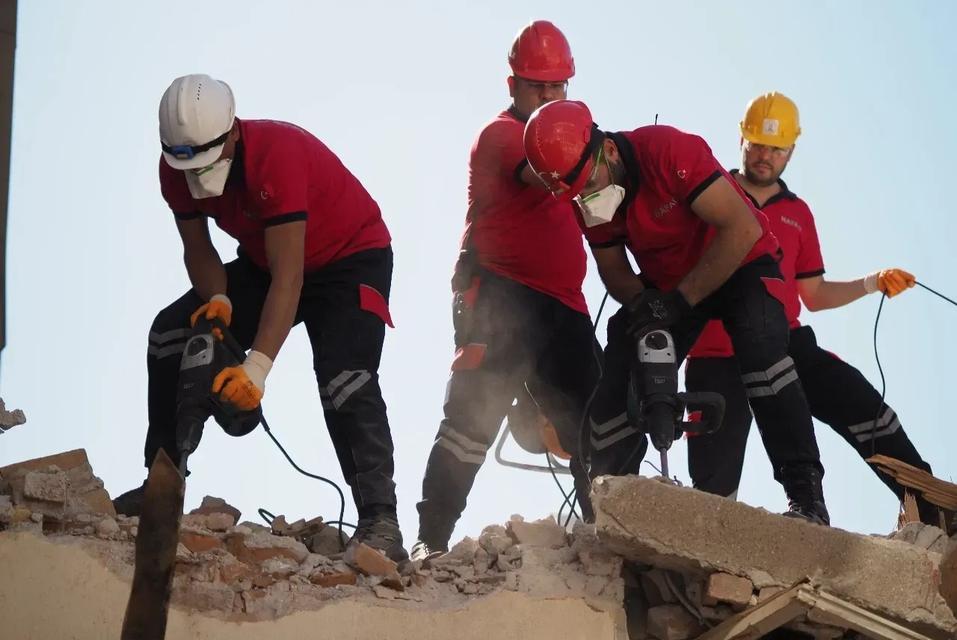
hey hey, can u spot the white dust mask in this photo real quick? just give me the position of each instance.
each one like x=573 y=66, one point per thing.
x=600 y=207
x=209 y=181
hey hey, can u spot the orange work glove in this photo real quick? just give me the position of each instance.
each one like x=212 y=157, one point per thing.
x=218 y=306
x=890 y=282
x=243 y=386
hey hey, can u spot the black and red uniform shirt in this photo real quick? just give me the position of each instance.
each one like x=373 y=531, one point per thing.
x=517 y=230
x=282 y=173
x=667 y=169
x=793 y=224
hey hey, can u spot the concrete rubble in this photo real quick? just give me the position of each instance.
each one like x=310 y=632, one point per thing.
x=694 y=537
x=662 y=563
x=10 y=419
x=247 y=572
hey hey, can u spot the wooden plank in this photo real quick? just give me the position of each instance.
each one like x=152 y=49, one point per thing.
x=910 y=512
x=824 y=608
x=800 y=602
x=758 y=621
x=935 y=490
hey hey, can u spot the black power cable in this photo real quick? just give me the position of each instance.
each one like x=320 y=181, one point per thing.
x=877 y=319
x=571 y=499
x=268 y=517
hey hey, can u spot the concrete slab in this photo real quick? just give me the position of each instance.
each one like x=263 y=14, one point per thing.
x=677 y=528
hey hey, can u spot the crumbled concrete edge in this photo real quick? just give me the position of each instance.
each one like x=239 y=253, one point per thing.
x=248 y=572
x=696 y=534
x=10 y=419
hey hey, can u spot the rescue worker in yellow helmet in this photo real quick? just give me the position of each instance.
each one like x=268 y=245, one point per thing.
x=838 y=394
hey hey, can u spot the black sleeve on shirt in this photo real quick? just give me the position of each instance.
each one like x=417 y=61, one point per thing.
x=809 y=274
x=707 y=182
x=284 y=218
x=607 y=243
x=188 y=215
x=519 y=169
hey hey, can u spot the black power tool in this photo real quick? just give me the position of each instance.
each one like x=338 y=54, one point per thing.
x=204 y=357
x=655 y=406
x=155 y=558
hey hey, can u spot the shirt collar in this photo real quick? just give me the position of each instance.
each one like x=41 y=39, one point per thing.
x=783 y=194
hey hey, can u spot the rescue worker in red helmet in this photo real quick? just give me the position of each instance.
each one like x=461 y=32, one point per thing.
x=703 y=252
x=837 y=393
x=520 y=318
x=313 y=248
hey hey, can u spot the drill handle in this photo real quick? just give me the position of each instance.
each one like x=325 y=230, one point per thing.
x=206 y=326
x=711 y=405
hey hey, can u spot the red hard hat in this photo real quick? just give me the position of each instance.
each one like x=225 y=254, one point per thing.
x=560 y=144
x=541 y=52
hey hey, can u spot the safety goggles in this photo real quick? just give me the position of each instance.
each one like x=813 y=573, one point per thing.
x=754 y=147
x=189 y=151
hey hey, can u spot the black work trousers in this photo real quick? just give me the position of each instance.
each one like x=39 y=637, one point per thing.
x=837 y=393
x=346 y=345
x=755 y=320
x=516 y=336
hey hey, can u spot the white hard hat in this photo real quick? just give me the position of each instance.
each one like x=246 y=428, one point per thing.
x=195 y=115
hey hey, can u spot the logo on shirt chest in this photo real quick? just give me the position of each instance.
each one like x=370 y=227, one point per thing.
x=793 y=223
x=663 y=210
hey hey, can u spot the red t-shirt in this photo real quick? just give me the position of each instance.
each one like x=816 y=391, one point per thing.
x=517 y=230
x=668 y=169
x=793 y=224
x=283 y=173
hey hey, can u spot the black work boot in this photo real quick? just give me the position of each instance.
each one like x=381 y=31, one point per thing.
x=802 y=485
x=131 y=502
x=378 y=528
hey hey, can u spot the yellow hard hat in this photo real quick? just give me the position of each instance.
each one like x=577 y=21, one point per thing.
x=771 y=119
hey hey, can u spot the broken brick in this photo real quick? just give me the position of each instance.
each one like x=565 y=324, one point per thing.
x=84 y=491
x=328 y=580
x=370 y=562
x=194 y=521
x=220 y=521
x=48 y=487
x=212 y=504
x=233 y=571
x=724 y=587
x=541 y=533
x=258 y=547
x=199 y=542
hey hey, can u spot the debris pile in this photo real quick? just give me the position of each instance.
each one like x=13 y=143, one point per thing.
x=662 y=563
x=714 y=562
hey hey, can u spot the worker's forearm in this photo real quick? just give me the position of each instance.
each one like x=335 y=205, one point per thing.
x=206 y=273
x=278 y=314
x=830 y=295
x=720 y=260
x=622 y=287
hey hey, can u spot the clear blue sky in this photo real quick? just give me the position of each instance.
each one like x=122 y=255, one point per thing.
x=399 y=90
